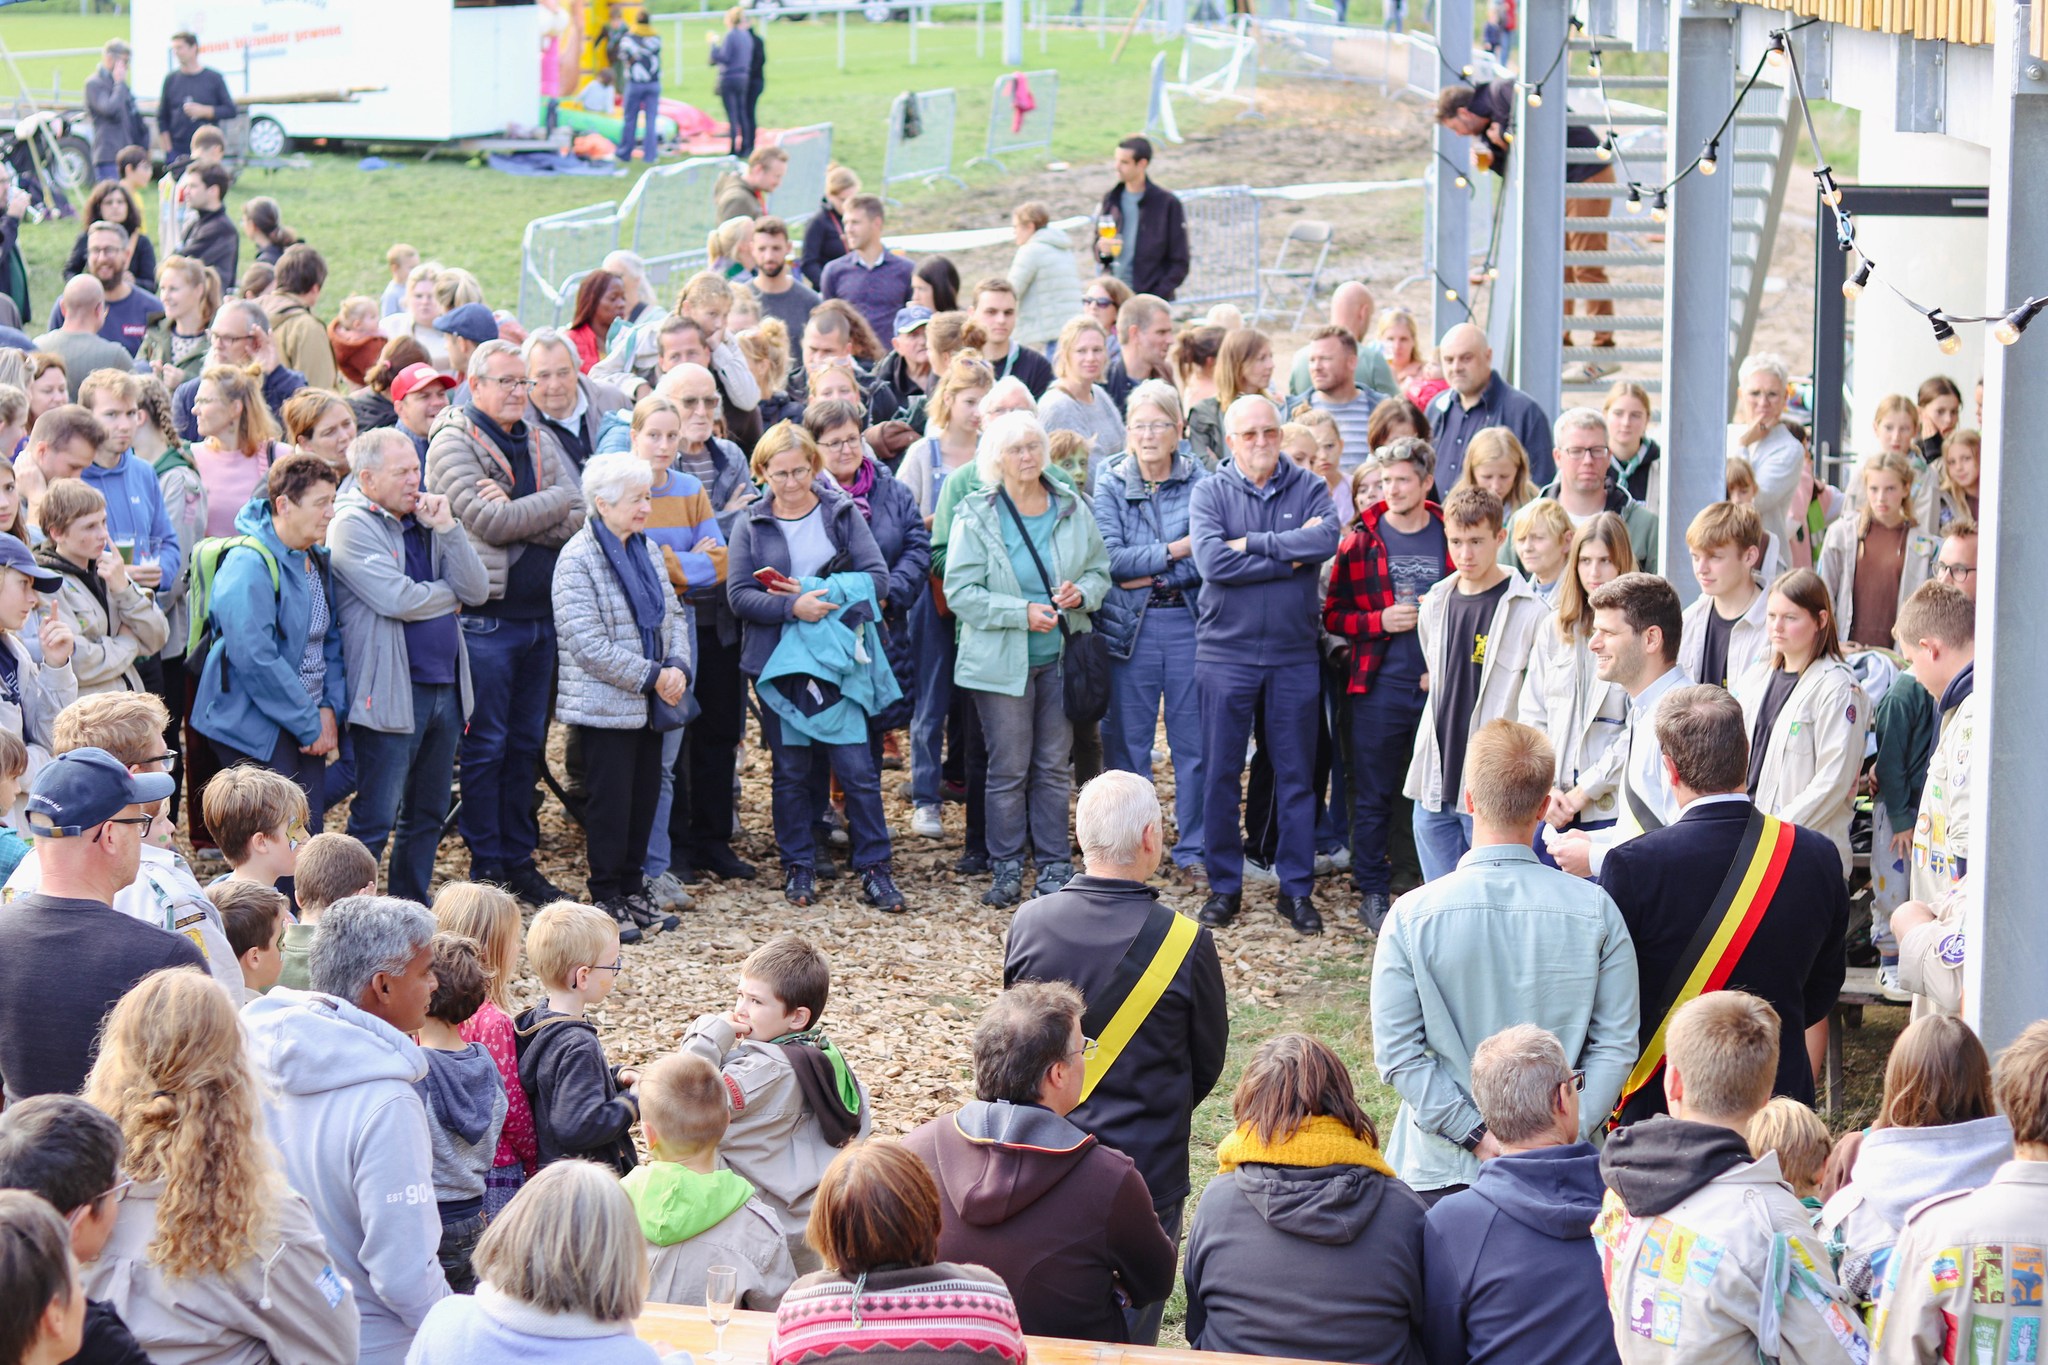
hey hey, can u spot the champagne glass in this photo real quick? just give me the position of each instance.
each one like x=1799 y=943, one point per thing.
x=721 y=1289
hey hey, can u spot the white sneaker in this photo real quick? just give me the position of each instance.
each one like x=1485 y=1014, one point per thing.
x=926 y=823
x=1888 y=985
x=1256 y=872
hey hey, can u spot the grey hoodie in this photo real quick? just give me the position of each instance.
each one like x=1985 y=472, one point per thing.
x=465 y=1098
x=339 y=1101
x=1896 y=1168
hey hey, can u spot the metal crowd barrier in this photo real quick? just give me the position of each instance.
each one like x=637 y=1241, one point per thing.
x=803 y=180
x=1158 y=107
x=1012 y=131
x=673 y=209
x=563 y=247
x=1223 y=245
x=929 y=155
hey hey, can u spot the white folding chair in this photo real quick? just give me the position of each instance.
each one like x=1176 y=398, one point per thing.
x=1304 y=235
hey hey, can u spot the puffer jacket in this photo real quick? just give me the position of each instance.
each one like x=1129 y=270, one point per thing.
x=458 y=455
x=250 y=688
x=758 y=543
x=287 y=1302
x=110 y=630
x=1137 y=525
x=906 y=546
x=1562 y=696
x=991 y=605
x=1048 y=284
x=605 y=675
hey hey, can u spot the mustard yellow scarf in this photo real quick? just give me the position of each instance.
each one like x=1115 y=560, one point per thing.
x=1321 y=1141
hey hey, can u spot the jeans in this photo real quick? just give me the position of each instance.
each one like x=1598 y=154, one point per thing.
x=739 y=136
x=1030 y=745
x=658 y=842
x=643 y=99
x=1441 y=838
x=700 y=816
x=1161 y=666
x=619 y=809
x=404 y=780
x=858 y=777
x=1231 y=695
x=1383 y=723
x=934 y=650
x=309 y=772
x=458 y=1245
x=512 y=671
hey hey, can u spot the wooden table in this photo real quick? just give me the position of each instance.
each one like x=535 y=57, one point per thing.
x=675 y=1327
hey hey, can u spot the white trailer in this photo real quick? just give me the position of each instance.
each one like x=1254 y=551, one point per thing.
x=448 y=70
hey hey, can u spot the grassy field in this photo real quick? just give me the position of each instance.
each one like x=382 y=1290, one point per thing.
x=475 y=217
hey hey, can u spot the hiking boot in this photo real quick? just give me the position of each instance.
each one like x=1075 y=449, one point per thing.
x=667 y=891
x=926 y=823
x=621 y=912
x=799 y=885
x=1372 y=909
x=1008 y=886
x=1220 y=909
x=720 y=861
x=878 y=888
x=1051 y=877
x=526 y=882
x=1300 y=911
x=648 y=915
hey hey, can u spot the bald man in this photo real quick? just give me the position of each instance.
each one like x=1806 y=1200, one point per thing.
x=1352 y=308
x=78 y=341
x=1477 y=399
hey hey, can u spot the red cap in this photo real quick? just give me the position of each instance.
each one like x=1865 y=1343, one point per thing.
x=415 y=377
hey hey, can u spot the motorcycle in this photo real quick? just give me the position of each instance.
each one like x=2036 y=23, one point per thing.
x=51 y=160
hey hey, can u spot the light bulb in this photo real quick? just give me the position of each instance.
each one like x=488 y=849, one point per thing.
x=1462 y=183
x=1777 y=52
x=1493 y=273
x=2009 y=328
x=1710 y=162
x=1466 y=72
x=1451 y=295
x=1657 y=207
x=1635 y=200
x=1535 y=97
x=1853 y=286
x=1944 y=335
x=1605 y=151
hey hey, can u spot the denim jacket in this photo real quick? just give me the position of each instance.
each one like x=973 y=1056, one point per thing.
x=1137 y=525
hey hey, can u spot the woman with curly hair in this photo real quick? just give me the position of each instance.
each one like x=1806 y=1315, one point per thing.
x=213 y=1257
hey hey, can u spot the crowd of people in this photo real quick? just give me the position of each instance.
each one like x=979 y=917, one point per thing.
x=1387 y=618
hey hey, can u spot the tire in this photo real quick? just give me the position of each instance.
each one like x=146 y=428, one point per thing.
x=73 y=171
x=267 y=138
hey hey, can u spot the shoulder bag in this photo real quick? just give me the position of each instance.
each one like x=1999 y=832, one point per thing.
x=1084 y=657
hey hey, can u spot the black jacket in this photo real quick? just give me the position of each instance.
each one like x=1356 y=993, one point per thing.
x=1665 y=882
x=1026 y=364
x=1162 y=262
x=824 y=243
x=1313 y=1262
x=578 y=1108
x=13 y=270
x=107 y=1340
x=214 y=240
x=1143 y=1105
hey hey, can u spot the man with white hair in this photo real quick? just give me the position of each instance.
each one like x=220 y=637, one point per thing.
x=1261 y=526
x=1588 y=484
x=402 y=570
x=1509 y=1267
x=1150 y=978
x=335 y=1068
x=510 y=486
x=1479 y=398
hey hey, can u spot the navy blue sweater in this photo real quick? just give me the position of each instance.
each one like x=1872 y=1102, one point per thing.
x=1260 y=605
x=1510 y=1272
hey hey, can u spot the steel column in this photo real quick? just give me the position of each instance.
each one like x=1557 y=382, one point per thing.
x=1697 y=281
x=1536 y=191
x=2005 y=974
x=1448 y=253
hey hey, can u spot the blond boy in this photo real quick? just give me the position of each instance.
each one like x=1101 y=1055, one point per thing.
x=1724 y=627
x=583 y=1106
x=258 y=817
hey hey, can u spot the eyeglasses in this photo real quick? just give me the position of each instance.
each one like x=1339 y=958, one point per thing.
x=220 y=336
x=613 y=967
x=698 y=403
x=1149 y=428
x=1086 y=1052
x=118 y=1193
x=169 y=759
x=1577 y=1081
x=1098 y=301
x=515 y=385
x=145 y=821
x=1583 y=452
x=843 y=443
x=788 y=475
x=1953 y=572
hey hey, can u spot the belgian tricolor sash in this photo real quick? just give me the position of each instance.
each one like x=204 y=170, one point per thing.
x=1725 y=930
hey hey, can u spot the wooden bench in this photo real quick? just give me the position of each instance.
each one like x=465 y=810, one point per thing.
x=675 y=1327
x=1859 y=988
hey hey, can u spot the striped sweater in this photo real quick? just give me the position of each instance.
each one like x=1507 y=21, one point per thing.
x=940 y=1314
x=682 y=515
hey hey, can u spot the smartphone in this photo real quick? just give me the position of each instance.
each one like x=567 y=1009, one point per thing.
x=771 y=578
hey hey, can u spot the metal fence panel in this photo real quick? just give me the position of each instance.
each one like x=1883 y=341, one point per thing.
x=1223 y=245
x=929 y=155
x=803 y=180
x=673 y=210
x=556 y=253
x=1219 y=64
x=1159 y=105
x=1010 y=130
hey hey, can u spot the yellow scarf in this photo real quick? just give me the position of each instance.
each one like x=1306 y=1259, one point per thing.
x=1321 y=1141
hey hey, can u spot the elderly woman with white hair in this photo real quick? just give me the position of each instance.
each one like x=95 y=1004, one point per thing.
x=1760 y=435
x=1026 y=569
x=626 y=664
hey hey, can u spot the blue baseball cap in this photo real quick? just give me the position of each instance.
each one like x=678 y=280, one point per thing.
x=912 y=316
x=78 y=790
x=471 y=322
x=15 y=555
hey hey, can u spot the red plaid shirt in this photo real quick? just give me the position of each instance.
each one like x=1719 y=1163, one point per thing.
x=1361 y=588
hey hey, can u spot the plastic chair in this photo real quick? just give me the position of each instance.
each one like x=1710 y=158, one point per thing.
x=1303 y=236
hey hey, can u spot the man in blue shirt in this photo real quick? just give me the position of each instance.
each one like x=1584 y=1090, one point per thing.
x=135 y=501
x=1477 y=399
x=874 y=279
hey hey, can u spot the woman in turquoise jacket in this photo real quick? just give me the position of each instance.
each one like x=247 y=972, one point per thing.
x=273 y=682
x=1009 y=613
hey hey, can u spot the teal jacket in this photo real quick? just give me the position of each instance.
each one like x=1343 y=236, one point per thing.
x=848 y=660
x=988 y=602
x=250 y=689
